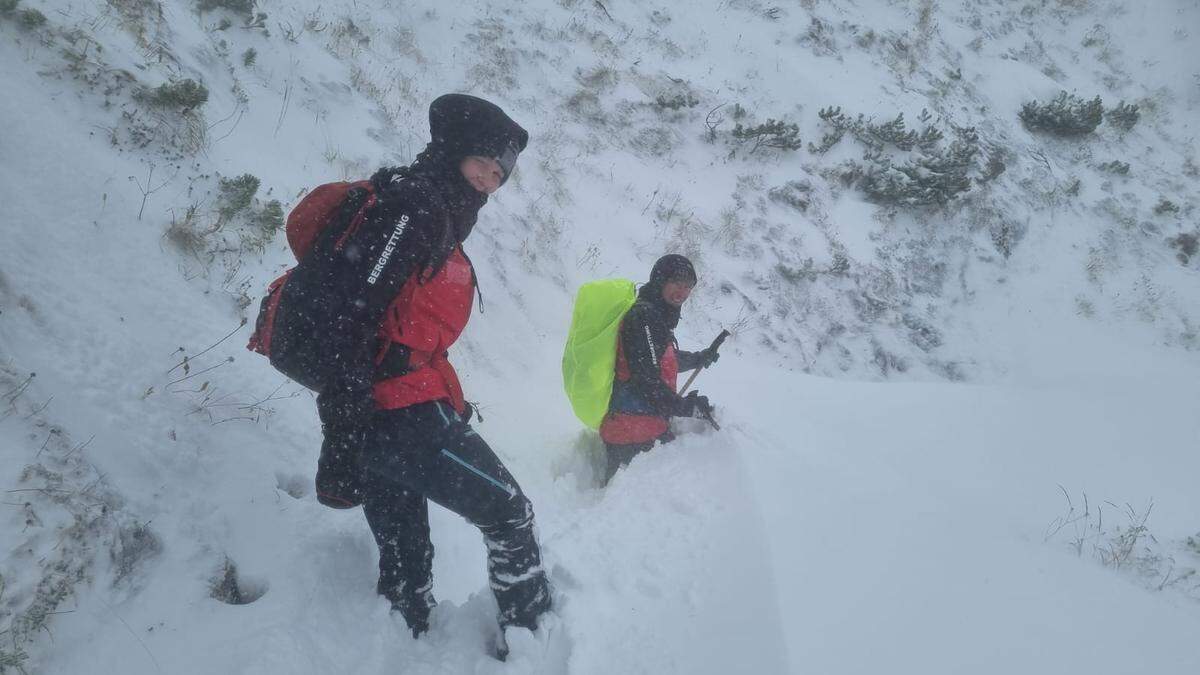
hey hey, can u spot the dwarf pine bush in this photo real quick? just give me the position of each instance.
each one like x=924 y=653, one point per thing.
x=1165 y=206
x=676 y=102
x=1066 y=115
x=1123 y=117
x=778 y=134
x=874 y=135
x=183 y=95
x=8 y=6
x=1188 y=244
x=1115 y=166
x=933 y=173
x=235 y=195
x=931 y=180
x=794 y=194
x=270 y=217
x=243 y=7
x=30 y=18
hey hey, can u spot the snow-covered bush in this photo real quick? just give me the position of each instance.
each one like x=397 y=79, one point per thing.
x=931 y=180
x=1165 y=206
x=30 y=18
x=184 y=95
x=240 y=7
x=234 y=195
x=1188 y=244
x=795 y=194
x=876 y=136
x=1066 y=115
x=7 y=7
x=1123 y=117
x=1116 y=166
x=777 y=134
x=933 y=176
x=676 y=102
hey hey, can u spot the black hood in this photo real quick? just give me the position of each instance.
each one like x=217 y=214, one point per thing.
x=461 y=126
x=670 y=267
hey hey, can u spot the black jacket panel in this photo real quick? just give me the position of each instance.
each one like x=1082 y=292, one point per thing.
x=356 y=280
x=644 y=340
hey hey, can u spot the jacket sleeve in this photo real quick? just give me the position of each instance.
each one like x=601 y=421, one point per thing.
x=644 y=347
x=689 y=360
x=395 y=240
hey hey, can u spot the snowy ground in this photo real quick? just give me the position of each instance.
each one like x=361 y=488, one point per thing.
x=836 y=524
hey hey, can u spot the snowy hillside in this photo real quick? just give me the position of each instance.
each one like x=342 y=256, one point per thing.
x=959 y=407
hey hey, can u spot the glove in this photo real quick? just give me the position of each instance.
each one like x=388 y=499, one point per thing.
x=690 y=405
x=708 y=357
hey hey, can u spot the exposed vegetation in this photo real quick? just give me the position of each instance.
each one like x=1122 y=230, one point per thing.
x=1123 y=117
x=1165 y=206
x=242 y=7
x=235 y=195
x=932 y=174
x=183 y=95
x=1066 y=115
x=776 y=134
x=30 y=18
x=1188 y=243
x=676 y=102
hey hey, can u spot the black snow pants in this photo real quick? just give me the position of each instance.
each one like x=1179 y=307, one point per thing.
x=426 y=452
x=621 y=455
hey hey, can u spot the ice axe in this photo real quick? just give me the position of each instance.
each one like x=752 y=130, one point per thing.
x=716 y=344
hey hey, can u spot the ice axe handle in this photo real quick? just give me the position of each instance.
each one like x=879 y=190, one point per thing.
x=716 y=344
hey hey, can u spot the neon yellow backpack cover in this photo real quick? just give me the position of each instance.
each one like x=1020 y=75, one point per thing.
x=590 y=359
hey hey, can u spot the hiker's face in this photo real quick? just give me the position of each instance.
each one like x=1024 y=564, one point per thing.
x=676 y=292
x=483 y=173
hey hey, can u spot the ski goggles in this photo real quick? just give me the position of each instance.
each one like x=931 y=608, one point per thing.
x=508 y=160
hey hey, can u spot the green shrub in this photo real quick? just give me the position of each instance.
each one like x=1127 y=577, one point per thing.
x=1188 y=244
x=270 y=218
x=995 y=165
x=1123 y=117
x=933 y=179
x=933 y=175
x=8 y=6
x=793 y=193
x=235 y=195
x=243 y=7
x=30 y=19
x=183 y=95
x=249 y=57
x=1165 y=205
x=1066 y=115
x=676 y=102
x=1116 y=166
x=778 y=134
x=877 y=136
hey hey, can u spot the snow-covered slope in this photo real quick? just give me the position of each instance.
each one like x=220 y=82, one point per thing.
x=837 y=524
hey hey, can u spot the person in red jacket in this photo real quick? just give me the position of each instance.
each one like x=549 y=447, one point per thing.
x=392 y=295
x=644 y=394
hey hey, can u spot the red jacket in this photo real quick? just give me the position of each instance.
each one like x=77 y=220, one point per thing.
x=629 y=422
x=427 y=319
